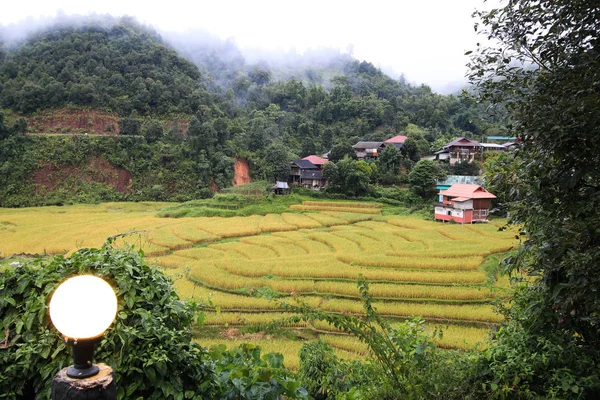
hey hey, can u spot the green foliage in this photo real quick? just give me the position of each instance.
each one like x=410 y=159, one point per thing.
x=349 y=177
x=423 y=177
x=500 y=177
x=242 y=373
x=407 y=363
x=149 y=344
x=390 y=163
x=467 y=168
x=152 y=130
x=325 y=376
x=544 y=67
x=101 y=62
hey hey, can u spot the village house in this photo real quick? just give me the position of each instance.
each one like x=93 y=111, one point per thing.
x=396 y=141
x=460 y=150
x=463 y=203
x=308 y=172
x=366 y=150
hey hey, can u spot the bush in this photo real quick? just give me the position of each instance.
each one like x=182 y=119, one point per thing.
x=149 y=345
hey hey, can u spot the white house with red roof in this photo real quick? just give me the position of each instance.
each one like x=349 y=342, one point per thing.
x=464 y=203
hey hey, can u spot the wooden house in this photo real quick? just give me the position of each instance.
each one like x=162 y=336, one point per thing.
x=367 y=149
x=463 y=203
x=305 y=173
x=460 y=150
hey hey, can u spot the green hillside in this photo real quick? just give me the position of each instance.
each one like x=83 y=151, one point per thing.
x=109 y=63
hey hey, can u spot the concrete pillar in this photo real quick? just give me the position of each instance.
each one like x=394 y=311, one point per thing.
x=98 y=387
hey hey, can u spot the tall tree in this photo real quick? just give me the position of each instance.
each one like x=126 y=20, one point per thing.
x=544 y=67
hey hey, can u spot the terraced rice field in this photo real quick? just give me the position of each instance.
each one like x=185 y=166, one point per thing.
x=314 y=253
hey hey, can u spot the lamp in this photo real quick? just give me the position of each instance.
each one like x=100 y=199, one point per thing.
x=81 y=309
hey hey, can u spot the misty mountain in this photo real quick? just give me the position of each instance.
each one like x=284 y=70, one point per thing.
x=100 y=62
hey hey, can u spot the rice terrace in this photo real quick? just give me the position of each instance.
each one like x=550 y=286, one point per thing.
x=243 y=267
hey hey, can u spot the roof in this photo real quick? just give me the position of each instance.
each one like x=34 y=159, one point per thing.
x=305 y=164
x=311 y=175
x=501 y=138
x=460 y=199
x=463 y=142
x=467 y=190
x=492 y=146
x=367 y=145
x=281 y=185
x=316 y=160
x=396 y=139
x=452 y=179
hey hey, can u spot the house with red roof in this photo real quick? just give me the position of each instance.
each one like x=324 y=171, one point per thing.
x=308 y=172
x=316 y=160
x=396 y=141
x=463 y=203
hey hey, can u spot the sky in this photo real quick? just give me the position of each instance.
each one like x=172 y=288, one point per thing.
x=423 y=39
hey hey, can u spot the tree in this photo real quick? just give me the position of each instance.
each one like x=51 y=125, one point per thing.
x=423 y=177
x=545 y=70
x=466 y=168
x=390 y=163
x=347 y=177
x=152 y=130
x=277 y=162
x=341 y=150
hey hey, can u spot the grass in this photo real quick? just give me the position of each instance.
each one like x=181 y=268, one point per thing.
x=441 y=272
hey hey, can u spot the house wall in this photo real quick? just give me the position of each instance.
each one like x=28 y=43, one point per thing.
x=456 y=215
x=482 y=204
x=464 y=205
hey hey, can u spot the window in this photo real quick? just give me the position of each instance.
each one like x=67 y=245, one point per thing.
x=484 y=212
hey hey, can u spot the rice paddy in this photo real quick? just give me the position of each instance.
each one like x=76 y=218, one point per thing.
x=244 y=267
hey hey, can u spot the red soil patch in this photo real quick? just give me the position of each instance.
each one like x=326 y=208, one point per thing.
x=97 y=170
x=241 y=172
x=73 y=120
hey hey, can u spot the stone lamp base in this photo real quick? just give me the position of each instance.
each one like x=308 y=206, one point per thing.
x=98 y=387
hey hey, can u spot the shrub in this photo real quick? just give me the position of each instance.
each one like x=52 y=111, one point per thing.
x=149 y=346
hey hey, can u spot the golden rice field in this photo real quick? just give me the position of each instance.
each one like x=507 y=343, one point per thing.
x=313 y=254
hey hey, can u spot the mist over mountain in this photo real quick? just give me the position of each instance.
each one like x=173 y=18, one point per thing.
x=198 y=103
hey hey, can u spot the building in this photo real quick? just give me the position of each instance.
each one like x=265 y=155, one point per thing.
x=316 y=160
x=460 y=150
x=305 y=173
x=492 y=147
x=367 y=149
x=464 y=203
x=396 y=141
x=281 y=188
x=444 y=184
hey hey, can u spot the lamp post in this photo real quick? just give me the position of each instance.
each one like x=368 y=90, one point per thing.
x=82 y=308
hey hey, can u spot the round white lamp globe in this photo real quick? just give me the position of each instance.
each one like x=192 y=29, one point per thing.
x=83 y=307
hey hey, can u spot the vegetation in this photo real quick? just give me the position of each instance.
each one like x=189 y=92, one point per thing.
x=544 y=68
x=239 y=265
x=108 y=76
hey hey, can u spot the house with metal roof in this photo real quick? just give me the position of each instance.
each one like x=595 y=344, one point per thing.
x=367 y=149
x=444 y=184
x=463 y=203
x=460 y=150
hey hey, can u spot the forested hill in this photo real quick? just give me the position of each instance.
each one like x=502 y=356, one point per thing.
x=102 y=63
x=113 y=76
